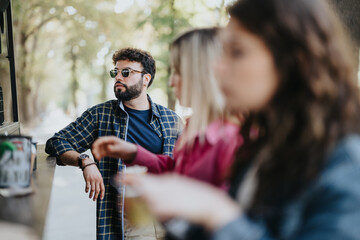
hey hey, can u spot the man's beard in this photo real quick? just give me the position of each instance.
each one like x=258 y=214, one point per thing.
x=130 y=92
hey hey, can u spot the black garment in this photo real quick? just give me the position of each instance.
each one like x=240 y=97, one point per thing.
x=141 y=132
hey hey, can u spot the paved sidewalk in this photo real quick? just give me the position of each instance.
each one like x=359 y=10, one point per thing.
x=71 y=213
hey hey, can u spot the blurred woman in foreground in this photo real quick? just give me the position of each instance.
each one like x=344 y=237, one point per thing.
x=299 y=177
x=206 y=148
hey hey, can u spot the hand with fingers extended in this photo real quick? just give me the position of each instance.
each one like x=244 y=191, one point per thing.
x=94 y=182
x=111 y=146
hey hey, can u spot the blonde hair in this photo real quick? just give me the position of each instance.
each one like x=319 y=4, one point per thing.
x=193 y=56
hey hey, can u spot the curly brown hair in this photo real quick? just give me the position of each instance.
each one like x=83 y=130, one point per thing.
x=316 y=104
x=137 y=55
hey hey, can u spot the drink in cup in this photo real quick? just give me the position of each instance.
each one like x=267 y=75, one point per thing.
x=136 y=211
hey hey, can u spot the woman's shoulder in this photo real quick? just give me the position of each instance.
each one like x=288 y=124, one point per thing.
x=346 y=152
x=342 y=168
x=220 y=131
x=334 y=197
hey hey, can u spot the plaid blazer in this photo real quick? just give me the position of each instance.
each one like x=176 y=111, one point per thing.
x=108 y=119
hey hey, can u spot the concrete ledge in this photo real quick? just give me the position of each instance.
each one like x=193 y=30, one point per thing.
x=10 y=128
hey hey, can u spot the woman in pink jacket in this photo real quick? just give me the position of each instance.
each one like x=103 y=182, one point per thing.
x=206 y=147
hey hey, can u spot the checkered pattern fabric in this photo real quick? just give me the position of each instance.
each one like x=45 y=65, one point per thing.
x=107 y=119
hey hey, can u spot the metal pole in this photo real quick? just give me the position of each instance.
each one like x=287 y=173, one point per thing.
x=10 y=42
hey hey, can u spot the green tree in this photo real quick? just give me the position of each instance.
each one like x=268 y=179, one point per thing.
x=71 y=42
x=167 y=21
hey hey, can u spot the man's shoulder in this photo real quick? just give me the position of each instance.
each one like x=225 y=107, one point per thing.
x=166 y=112
x=172 y=122
x=108 y=105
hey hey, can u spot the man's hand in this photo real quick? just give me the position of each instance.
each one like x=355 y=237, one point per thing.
x=93 y=179
x=111 y=146
x=94 y=182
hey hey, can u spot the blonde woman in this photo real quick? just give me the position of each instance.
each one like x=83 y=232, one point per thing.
x=207 y=145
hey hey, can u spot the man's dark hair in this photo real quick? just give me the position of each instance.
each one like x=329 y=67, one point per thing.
x=137 y=55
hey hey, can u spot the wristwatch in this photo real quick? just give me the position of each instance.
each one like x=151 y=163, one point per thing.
x=81 y=158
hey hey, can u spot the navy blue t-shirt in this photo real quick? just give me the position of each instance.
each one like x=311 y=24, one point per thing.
x=140 y=131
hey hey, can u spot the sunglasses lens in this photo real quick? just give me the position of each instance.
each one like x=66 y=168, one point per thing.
x=125 y=72
x=113 y=73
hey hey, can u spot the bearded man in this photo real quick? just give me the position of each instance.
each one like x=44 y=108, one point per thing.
x=132 y=117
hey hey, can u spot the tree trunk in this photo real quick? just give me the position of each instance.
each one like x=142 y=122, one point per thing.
x=170 y=93
x=103 y=80
x=25 y=108
x=23 y=88
x=74 y=85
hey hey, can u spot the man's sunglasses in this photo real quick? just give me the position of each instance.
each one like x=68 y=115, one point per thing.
x=125 y=72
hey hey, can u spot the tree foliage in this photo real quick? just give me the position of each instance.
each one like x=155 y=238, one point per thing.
x=64 y=47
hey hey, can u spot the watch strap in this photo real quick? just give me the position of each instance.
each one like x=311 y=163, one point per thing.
x=93 y=163
x=80 y=163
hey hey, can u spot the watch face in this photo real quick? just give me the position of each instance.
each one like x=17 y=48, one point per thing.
x=83 y=156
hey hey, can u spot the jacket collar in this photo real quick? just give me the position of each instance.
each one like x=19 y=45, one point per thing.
x=154 y=108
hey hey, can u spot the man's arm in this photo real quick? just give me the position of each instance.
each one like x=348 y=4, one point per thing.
x=67 y=145
x=77 y=136
x=70 y=158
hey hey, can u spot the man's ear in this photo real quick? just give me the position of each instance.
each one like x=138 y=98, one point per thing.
x=147 y=78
